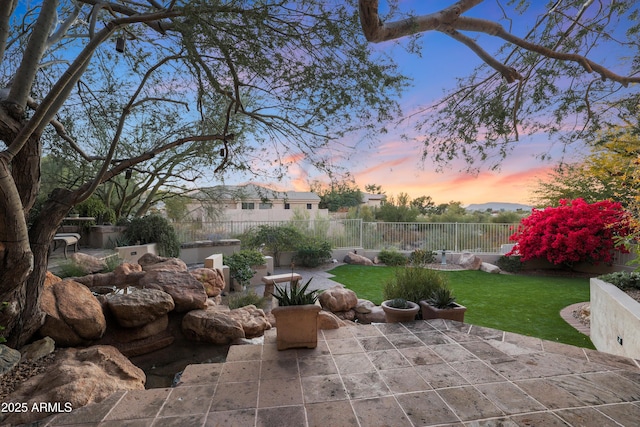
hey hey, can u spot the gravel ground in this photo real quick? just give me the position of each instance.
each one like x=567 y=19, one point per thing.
x=22 y=372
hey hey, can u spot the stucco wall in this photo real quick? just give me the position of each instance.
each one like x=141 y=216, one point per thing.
x=615 y=316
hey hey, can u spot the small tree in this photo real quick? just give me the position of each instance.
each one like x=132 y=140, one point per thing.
x=274 y=239
x=572 y=232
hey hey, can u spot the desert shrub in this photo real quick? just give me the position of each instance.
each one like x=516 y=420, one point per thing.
x=274 y=239
x=245 y=299
x=312 y=252
x=512 y=263
x=240 y=263
x=623 y=279
x=422 y=257
x=572 y=232
x=70 y=269
x=392 y=257
x=413 y=284
x=154 y=229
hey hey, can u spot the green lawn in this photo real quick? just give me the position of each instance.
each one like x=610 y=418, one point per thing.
x=527 y=305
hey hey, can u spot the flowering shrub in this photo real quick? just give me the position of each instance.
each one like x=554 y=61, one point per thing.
x=572 y=232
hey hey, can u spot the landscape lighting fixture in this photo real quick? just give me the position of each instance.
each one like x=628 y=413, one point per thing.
x=120 y=44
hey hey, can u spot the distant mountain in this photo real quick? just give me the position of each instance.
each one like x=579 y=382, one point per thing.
x=497 y=206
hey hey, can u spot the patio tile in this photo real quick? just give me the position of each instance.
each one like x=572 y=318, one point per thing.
x=393 y=328
x=485 y=351
x=486 y=333
x=332 y=334
x=344 y=346
x=321 y=350
x=586 y=417
x=512 y=349
x=543 y=419
x=375 y=343
x=514 y=369
x=476 y=372
x=626 y=414
x=453 y=352
x=282 y=416
x=404 y=380
x=244 y=352
x=584 y=389
x=139 y=404
x=405 y=340
x=180 y=421
x=237 y=418
x=441 y=375
x=626 y=389
x=381 y=411
x=144 y=422
x=433 y=338
x=421 y=356
x=498 y=422
x=509 y=398
x=231 y=396
x=523 y=341
x=469 y=404
x=564 y=349
x=459 y=336
x=353 y=363
x=89 y=414
x=323 y=388
x=188 y=400
x=611 y=360
x=550 y=395
x=426 y=408
x=271 y=352
x=281 y=369
x=388 y=359
x=205 y=373
x=279 y=392
x=333 y=414
x=320 y=365
x=240 y=371
x=362 y=386
x=366 y=331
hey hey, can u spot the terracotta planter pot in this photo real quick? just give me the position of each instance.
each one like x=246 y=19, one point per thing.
x=454 y=313
x=394 y=315
x=296 y=326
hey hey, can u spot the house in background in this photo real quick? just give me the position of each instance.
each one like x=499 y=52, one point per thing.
x=373 y=200
x=252 y=202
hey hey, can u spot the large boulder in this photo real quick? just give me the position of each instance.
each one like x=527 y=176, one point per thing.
x=88 y=263
x=211 y=278
x=469 y=261
x=354 y=258
x=77 y=378
x=375 y=315
x=139 y=306
x=38 y=349
x=122 y=276
x=490 y=268
x=187 y=292
x=8 y=358
x=338 y=298
x=73 y=316
x=328 y=320
x=219 y=326
x=151 y=262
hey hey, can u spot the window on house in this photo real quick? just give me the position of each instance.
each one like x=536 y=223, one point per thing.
x=287 y=205
x=248 y=205
x=309 y=206
x=265 y=205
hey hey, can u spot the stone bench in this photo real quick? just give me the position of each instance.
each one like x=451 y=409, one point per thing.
x=270 y=281
x=65 y=240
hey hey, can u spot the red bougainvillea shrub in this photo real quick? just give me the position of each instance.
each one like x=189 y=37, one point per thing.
x=572 y=232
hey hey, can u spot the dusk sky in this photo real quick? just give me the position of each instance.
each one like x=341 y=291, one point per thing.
x=396 y=164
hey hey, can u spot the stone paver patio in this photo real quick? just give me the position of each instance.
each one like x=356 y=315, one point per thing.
x=423 y=373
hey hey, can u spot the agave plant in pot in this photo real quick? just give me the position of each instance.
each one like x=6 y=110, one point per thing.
x=400 y=310
x=296 y=316
x=441 y=304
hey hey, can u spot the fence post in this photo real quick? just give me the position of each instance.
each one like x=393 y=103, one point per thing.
x=360 y=233
x=456 y=237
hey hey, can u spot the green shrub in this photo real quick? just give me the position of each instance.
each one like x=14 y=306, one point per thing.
x=422 y=257
x=512 y=264
x=312 y=253
x=623 y=279
x=413 y=284
x=240 y=263
x=70 y=269
x=392 y=257
x=154 y=229
x=274 y=239
x=245 y=299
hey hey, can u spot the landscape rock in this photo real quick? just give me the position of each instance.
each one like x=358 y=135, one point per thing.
x=139 y=307
x=122 y=276
x=150 y=262
x=353 y=258
x=364 y=306
x=469 y=261
x=212 y=280
x=490 y=268
x=117 y=334
x=88 y=263
x=38 y=349
x=212 y=326
x=349 y=315
x=9 y=358
x=187 y=292
x=253 y=320
x=376 y=315
x=72 y=314
x=328 y=320
x=77 y=378
x=51 y=278
x=338 y=298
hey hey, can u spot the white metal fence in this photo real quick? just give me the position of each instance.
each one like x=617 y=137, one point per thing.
x=348 y=233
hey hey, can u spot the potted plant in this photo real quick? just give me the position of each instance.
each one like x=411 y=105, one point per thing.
x=240 y=267
x=296 y=316
x=413 y=283
x=442 y=305
x=400 y=310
